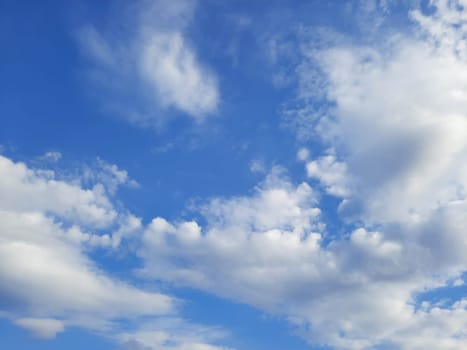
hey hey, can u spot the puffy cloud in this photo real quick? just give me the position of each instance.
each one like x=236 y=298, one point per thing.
x=248 y=248
x=48 y=280
x=44 y=269
x=27 y=190
x=156 y=60
x=397 y=118
x=331 y=173
x=398 y=125
x=169 y=65
x=359 y=292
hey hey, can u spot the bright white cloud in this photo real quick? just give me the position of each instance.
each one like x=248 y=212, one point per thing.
x=331 y=173
x=155 y=64
x=27 y=190
x=399 y=120
x=266 y=250
x=399 y=129
x=48 y=282
x=44 y=268
x=170 y=67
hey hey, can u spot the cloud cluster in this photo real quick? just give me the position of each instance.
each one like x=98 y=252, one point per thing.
x=266 y=250
x=48 y=281
x=396 y=139
x=398 y=130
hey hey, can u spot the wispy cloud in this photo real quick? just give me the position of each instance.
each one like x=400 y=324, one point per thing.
x=145 y=65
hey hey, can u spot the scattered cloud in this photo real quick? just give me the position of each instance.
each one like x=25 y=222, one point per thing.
x=51 y=156
x=147 y=66
x=331 y=173
x=391 y=117
x=303 y=154
x=257 y=166
x=359 y=292
x=48 y=280
x=397 y=124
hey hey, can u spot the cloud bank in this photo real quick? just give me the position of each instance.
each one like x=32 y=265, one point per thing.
x=48 y=281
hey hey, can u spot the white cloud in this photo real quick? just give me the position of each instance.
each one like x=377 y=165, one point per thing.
x=257 y=166
x=267 y=250
x=331 y=173
x=159 y=335
x=150 y=65
x=303 y=154
x=400 y=122
x=41 y=327
x=399 y=129
x=49 y=282
x=51 y=156
x=169 y=65
x=44 y=268
x=274 y=229
x=27 y=190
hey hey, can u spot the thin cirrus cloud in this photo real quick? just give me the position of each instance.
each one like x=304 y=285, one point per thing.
x=149 y=69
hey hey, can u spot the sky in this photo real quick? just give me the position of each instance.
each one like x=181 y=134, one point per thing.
x=233 y=175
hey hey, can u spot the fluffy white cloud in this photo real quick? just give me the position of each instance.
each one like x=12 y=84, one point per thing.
x=44 y=269
x=26 y=190
x=353 y=293
x=154 y=64
x=400 y=120
x=331 y=173
x=49 y=282
x=399 y=129
x=398 y=125
x=170 y=67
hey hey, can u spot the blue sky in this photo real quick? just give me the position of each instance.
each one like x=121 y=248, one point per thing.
x=204 y=175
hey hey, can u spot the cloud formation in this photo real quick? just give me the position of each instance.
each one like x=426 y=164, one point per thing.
x=398 y=127
x=150 y=66
x=394 y=134
x=48 y=281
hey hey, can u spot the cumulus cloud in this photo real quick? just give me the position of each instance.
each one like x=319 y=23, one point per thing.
x=331 y=173
x=48 y=281
x=398 y=127
x=400 y=120
x=44 y=267
x=152 y=68
x=268 y=250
